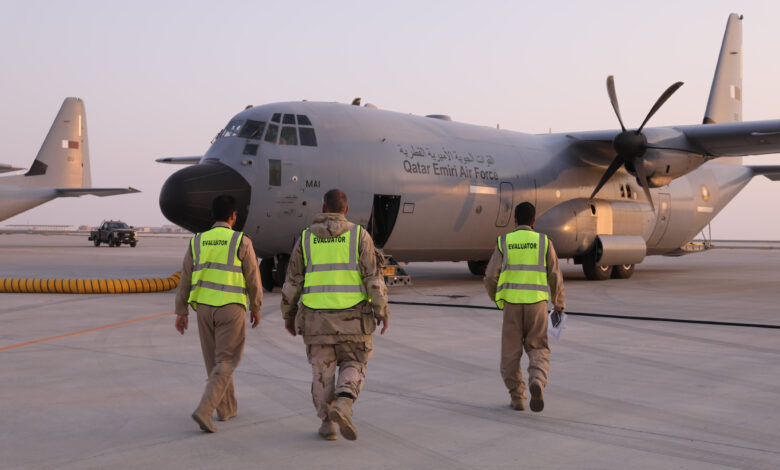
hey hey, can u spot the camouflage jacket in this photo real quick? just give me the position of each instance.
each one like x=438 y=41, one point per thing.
x=355 y=324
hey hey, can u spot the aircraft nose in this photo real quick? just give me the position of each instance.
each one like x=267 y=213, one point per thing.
x=186 y=196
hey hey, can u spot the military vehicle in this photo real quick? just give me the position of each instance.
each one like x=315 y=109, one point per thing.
x=114 y=233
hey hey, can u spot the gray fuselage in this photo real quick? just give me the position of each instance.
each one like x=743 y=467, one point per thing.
x=455 y=185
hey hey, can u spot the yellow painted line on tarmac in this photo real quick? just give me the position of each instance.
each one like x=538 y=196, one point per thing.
x=74 y=333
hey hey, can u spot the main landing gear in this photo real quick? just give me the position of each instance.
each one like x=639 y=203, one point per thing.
x=594 y=272
x=477 y=268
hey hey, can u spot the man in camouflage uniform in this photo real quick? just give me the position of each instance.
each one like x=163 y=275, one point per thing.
x=335 y=337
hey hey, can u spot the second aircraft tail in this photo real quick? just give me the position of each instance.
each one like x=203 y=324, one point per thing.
x=63 y=160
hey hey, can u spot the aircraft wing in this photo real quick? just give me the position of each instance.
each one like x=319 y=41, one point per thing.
x=101 y=192
x=770 y=171
x=731 y=139
x=180 y=160
x=6 y=168
x=734 y=139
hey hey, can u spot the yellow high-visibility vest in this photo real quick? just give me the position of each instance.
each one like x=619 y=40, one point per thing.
x=523 y=278
x=332 y=277
x=217 y=278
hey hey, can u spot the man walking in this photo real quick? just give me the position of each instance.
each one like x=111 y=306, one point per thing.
x=522 y=267
x=219 y=274
x=335 y=274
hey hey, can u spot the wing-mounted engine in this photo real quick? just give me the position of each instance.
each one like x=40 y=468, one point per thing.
x=630 y=146
x=662 y=167
x=666 y=157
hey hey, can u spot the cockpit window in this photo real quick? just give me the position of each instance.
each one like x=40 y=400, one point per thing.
x=252 y=129
x=272 y=133
x=289 y=136
x=232 y=129
x=302 y=134
x=307 y=136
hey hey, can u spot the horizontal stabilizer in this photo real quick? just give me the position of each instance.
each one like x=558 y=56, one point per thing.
x=770 y=171
x=101 y=192
x=180 y=160
x=6 y=168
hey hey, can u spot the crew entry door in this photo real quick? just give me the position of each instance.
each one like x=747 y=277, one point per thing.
x=285 y=189
x=505 y=204
x=384 y=213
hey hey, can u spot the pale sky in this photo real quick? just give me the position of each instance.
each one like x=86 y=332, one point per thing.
x=160 y=78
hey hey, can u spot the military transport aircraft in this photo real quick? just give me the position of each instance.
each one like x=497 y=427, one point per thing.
x=430 y=189
x=61 y=168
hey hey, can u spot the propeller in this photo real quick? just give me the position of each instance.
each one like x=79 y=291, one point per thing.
x=631 y=145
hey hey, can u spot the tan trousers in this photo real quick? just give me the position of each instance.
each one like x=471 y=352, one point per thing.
x=350 y=358
x=222 y=335
x=525 y=327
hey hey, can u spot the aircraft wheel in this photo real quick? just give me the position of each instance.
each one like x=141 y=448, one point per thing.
x=593 y=271
x=267 y=274
x=622 y=271
x=281 y=269
x=96 y=242
x=478 y=268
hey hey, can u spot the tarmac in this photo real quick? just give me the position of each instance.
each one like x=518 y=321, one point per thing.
x=104 y=381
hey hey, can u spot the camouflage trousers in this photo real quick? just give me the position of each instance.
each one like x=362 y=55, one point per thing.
x=351 y=360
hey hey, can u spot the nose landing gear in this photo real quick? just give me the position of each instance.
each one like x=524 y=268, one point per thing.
x=273 y=271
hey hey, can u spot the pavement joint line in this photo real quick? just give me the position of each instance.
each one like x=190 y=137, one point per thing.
x=89 y=330
x=601 y=315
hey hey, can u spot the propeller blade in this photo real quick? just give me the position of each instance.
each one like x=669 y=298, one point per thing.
x=639 y=165
x=659 y=102
x=613 y=99
x=613 y=167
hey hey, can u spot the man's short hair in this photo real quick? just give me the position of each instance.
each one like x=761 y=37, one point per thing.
x=525 y=213
x=335 y=201
x=223 y=207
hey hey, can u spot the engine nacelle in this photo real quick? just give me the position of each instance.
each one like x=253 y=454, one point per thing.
x=663 y=166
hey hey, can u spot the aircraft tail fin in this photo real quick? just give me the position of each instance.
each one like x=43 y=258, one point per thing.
x=63 y=160
x=725 y=103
